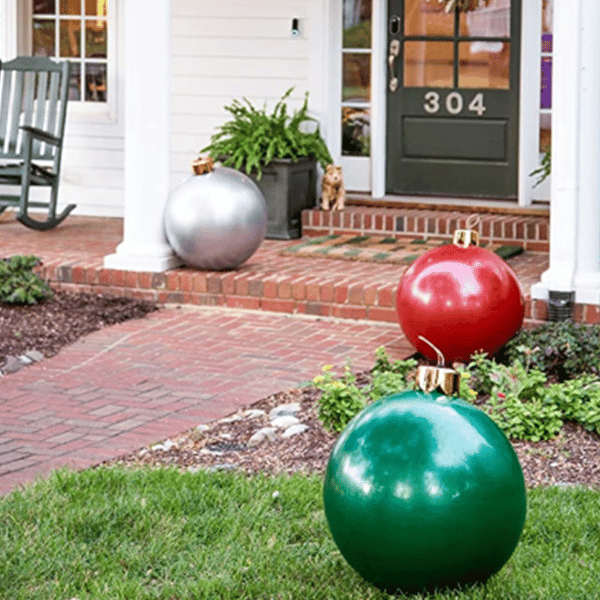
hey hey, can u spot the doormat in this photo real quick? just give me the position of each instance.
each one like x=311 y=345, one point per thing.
x=380 y=249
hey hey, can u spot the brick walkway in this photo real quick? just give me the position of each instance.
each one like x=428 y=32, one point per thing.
x=130 y=385
x=139 y=382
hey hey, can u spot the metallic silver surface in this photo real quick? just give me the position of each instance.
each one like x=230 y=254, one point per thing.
x=216 y=221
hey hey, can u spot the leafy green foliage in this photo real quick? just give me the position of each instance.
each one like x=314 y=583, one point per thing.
x=563 y=350
x=544 y=170
x=253 y=138
x=340 y=401
x=19 y=284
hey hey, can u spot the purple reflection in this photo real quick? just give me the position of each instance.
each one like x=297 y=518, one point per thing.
x=546 y=87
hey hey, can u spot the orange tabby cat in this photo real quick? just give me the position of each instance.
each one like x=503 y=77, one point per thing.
x=333 y=194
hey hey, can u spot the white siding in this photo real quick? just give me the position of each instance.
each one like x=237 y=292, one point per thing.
x=227 y=50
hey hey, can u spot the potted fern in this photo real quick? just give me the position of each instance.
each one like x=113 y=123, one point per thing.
x=279 y=153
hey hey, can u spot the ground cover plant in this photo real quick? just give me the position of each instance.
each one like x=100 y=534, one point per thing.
x=162 y=534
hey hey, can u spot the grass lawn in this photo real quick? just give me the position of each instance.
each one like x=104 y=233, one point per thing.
x=113 y=533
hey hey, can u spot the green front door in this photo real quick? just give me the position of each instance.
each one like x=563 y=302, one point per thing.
x=452 y=98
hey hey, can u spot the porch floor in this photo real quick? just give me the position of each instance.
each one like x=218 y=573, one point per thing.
x=73 y=254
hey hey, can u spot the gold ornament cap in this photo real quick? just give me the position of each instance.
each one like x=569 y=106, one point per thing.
x=467 y=237
x=439 y=378
x=203 y=164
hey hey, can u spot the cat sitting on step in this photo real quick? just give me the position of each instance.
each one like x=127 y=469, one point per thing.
x=333 y=194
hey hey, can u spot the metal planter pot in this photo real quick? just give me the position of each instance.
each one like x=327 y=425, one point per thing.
x=288 y=187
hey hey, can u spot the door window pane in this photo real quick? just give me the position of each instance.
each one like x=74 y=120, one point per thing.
x=546 y=92
x=427 y=18
x=75 y=82
x=356 y=31
x=95 y=8
x=43 y=38
x=43 y=7
x=95 y=39
x=95 y=82
x=428 y=64
x=70 y=38
x=547 y=18
x=70 y=7
x=492 y=20
x=356 y=85
x=484 y=65
x=356 y=131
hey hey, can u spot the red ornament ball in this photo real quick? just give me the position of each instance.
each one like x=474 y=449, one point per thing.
x=462 y=300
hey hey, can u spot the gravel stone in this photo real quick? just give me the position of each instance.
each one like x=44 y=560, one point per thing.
x=284 y=410
x=294 y=430
x=284 y=422
x=262 y=435
x=12 y=365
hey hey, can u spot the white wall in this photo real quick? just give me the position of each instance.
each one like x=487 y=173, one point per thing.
x=227 y=50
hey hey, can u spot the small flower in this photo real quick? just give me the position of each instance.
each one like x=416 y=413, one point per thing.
x=465 y=374
x=501 y=395
x=319 y=379
x=327 y=367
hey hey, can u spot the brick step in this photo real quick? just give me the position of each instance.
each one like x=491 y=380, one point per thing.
x=527 y=231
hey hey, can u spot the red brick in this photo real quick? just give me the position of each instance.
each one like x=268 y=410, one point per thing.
x=241 y=285
x=350 y=312
x=312 y=291
x=367 y=222
x=382 y=314
x=539 y=310
x=340 y=293
x=579 y=313
x=186 y=281
x=298 y=290
x=255 y=287
x=277 y=305
x=326 y=290
x=145 y=280
x=104 y=277
x=379 y=222
x=356 y=294
x=118 y=277
x=370 y=295
x=592 y=314
x=269 y=288
x=78 y=274
x=537 y=246
x=318 y=309
x=228 y=284
x=542 y=231
x=243 y=302
x=386 y=296
x=213 y=283
x=200 y=283
x=284 y=289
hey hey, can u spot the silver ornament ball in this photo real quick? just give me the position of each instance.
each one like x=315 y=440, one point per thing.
x=217 y=220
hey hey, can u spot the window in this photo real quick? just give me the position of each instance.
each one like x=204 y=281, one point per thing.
x=356 y=77
x=76 y=30
x=546 y=64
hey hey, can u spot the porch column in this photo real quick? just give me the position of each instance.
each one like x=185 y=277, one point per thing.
x=575 y=186
x=147 y=138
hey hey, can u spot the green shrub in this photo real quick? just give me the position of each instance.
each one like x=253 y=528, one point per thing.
x=19 y=284
x=563 y=350
x=340 y=400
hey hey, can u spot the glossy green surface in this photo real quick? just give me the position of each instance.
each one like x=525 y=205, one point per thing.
x=424 y=491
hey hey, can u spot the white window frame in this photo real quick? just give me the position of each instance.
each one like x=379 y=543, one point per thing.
x=17 y=21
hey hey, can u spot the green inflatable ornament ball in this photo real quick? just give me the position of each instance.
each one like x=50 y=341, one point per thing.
x=424 y=491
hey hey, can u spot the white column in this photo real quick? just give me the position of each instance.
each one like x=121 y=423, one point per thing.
x=147 y=138
x=575 y=187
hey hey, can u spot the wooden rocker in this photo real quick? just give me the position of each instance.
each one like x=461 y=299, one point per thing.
x=33 y=108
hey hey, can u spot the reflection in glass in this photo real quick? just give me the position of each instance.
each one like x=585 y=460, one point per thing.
x=356 y=84
x=484 y=65
x=43 y=38
x=70 y=7
x=95 y=39
x=356 y=131
x=95 y=82
x=428 y=64
x=545 y=132
x=427 y=18
x=43 y=7
x=546 y=88
x=75 y=82
x=95 y=8
x=357 y=24
x=70 y=38
x=547 y=19
x=492 y=20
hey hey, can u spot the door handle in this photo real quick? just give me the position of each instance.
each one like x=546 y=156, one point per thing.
x=394 y=51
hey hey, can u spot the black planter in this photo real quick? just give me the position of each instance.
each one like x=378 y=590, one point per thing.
x=288 y=187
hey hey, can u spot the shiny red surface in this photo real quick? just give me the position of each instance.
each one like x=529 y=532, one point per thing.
x=462 y=300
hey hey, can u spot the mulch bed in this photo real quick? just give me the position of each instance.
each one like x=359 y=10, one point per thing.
x=62 y=319
x=378 y=248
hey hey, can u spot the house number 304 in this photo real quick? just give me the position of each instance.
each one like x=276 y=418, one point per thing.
x=454 y=103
